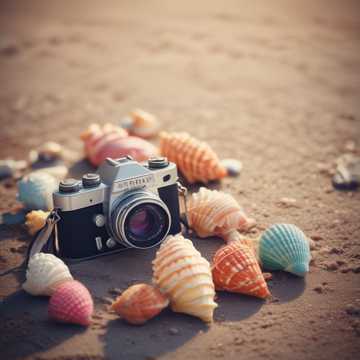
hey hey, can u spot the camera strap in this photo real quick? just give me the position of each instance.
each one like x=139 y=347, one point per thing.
x=44 y=240
x=183 y=192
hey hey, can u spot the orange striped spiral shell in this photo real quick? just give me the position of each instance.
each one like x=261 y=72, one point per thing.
x=236 y=269
x=139 y=303
x=195 y=159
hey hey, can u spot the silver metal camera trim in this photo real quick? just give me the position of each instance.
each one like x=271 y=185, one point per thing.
x=104 y=193
x=123 y=214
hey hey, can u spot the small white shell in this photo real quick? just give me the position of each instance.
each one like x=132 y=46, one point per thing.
x=45 y=272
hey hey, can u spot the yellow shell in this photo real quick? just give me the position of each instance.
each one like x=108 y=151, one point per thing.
x=45 y=272
x=144 y=125
x=212 y=212
x=139 y=303
x=184 y=276
x=35 y=220
x=195 y=159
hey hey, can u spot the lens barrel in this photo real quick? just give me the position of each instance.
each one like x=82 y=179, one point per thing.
x=140 y=220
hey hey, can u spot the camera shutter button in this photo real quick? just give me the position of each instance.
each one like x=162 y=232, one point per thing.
x=91 y=180
x=99 y=220
x=69 y=186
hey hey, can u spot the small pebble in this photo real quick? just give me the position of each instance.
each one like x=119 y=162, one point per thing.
x=351 y=309
x=115 y=291
x=287 y=202
x=319 y=289
x=232 y=166
x=356 y=269
x=317 y=237
x=335 y=250
x=331 y=265
x=173 y=331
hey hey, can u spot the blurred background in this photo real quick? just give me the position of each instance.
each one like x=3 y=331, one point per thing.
x=275 y=84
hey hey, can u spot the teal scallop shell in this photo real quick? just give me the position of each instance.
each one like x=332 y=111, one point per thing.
x=35 y=191
x=285 y=247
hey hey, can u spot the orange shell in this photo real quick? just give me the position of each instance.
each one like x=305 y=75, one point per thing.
x=236 y=269
x=139 y=303
x=113 y=141
x=195 y=159
x=212 y=212
x=35 y=220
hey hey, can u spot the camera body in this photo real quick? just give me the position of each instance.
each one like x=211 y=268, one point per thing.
x=125 y=205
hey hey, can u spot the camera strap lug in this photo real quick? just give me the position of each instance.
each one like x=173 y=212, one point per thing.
x=43 y=241
x=183 y=192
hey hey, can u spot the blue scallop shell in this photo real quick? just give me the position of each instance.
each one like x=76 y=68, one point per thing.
x=285 y=247
x=35 y=191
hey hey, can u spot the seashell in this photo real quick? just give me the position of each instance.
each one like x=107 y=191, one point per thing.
x=140 y=303
x=195 y=159
x=236 y=269
x=284 y=247
x=143 y=124
x=44 y=273
x=11 y=168
x=112 y=141
x=232 y=166
x=212 y=212
x=35 y=220
x=71 y=303
x=181 y=273
x=49 y=151
x=35 y=190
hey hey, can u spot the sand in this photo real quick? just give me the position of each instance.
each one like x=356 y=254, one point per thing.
x=274 y=85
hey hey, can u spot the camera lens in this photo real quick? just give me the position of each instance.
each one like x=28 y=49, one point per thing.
x=140 y=220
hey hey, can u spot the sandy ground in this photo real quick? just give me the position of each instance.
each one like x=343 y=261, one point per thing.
x=275 y=85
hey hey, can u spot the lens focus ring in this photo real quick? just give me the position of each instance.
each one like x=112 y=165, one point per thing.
x=149 y=231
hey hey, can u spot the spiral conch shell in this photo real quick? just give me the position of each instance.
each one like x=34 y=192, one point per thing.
x=212 y=212
x=195 y=159
x=35 y=220
x=45 y=272
x=140 y=303
x=182 y=274
x=235 y=269
x=113 y=141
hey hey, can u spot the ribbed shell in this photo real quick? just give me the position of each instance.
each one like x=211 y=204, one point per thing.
x=212 y=212
x=114 y=142
x=35 y=190
x=184 y=276
x=140 y=303
x=285 y=247
x=236 y=269
x=35 y=220
x=44 y=273
x=195 y=159
x=144 y=125
x=71 y=303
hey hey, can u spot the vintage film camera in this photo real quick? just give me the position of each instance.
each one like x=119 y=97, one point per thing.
x=125 y=205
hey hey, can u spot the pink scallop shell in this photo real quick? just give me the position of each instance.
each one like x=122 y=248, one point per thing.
x=71 y=303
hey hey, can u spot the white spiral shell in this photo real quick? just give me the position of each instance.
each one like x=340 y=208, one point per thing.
x=184 y=276
x=45 y=272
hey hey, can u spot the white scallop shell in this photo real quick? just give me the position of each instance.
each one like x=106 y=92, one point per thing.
x=44 y=273
x=185 y=277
